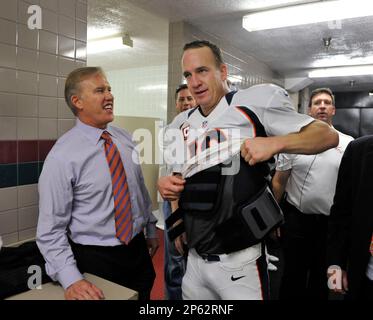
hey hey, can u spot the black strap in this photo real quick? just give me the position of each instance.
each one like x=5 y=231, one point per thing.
x=176 y=231
x=175 y=216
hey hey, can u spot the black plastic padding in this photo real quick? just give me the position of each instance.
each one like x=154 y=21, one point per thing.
x=201 y=191
x=176 y=231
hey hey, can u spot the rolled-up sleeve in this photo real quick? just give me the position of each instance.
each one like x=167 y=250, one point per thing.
x=55 y=207
x=285 y=161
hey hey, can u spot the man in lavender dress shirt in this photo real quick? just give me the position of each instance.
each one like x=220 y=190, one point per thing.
x=76 y=227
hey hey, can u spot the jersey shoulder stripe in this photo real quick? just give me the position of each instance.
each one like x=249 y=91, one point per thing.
x=253 y=119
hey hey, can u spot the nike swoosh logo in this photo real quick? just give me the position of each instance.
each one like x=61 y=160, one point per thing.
x=238 y=278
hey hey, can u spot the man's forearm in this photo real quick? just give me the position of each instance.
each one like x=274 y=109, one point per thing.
x=312 y=139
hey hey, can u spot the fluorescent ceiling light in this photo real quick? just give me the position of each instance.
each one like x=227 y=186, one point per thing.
x=342 y=60
x=307 y=13
x=262 y=4
x=104 y=45
x=98 y=33
x=342 y=72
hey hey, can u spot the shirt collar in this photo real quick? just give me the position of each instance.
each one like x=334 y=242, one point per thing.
x=93 y=133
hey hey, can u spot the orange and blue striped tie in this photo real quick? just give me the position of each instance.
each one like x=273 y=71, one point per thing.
x=122 y=203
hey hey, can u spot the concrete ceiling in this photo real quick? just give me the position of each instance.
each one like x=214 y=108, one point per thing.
x=291 y=52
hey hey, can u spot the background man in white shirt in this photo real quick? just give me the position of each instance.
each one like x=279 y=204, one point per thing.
x=309 y=182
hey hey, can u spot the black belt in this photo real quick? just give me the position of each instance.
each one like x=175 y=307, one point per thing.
x=210 y=257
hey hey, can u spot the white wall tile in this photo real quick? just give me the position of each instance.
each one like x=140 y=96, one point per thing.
x=132 y=94
x=48 y=41
x=47 y=107
x=27 y=128
x=28 y=195
x=7 y=56
x=8 y=104
x=67 y=8
x=8 y=80
x=47 y=64
x=61 y=87
x=47 y=85
x=64 y=126
x=80 y=64
x=8 y=31
x=27 y=38
x=81 y=31
x=50 y=4
x=65 y=66
x=81 y=11
x=8 y=128
x=27 y=105
x=66 y=26
x=27 y=82
x=8 y=198
x=28 y=234
x=81 y=50
x=50 y=21
x=8 y=221
x=27 y=60
x=47 y=129
x=27 y=217
x=8 y=9
x=66 y=47
x=23 y=15
x=9 y=238
x=64 y=112
x=32 y=1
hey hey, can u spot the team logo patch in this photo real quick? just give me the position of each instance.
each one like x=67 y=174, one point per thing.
x=204 y=124
x=185 y=130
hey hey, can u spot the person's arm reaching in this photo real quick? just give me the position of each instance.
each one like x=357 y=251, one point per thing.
x=279 y=181
x=313 y=138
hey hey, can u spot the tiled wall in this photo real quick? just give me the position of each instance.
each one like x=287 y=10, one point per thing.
x=239 y=64
x=140 y=92
x=33 y=113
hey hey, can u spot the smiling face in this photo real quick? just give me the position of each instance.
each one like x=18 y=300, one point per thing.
x=184 y=100
x=94 y=102
x=206 y=80
x=322 y=108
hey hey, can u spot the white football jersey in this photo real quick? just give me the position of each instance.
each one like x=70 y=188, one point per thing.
x=196 y=142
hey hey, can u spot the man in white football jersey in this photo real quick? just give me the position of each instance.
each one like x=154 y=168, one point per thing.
x=258 y=122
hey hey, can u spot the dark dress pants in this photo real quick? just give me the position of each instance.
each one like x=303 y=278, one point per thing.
x=303 y=238
x=127 y=265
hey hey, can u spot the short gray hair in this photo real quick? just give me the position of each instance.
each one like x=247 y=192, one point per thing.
x=73 y=80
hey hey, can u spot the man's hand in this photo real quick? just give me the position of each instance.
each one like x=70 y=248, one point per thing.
x=170 y=187
x=180 y=242
x=153 y=244
x=83 y=290
x=270 y=259
x=259 y=149
x=337 y=279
